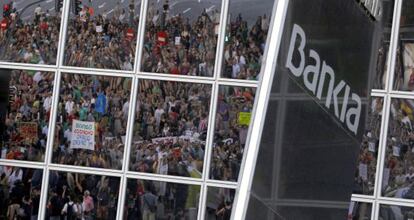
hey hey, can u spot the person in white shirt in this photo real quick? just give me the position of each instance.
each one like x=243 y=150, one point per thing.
x=69 y=105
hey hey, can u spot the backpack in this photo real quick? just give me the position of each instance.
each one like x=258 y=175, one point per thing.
x=152 y=208
x=69 y=212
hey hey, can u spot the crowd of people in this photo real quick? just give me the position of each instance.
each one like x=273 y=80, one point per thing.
x=179 y=44
x=27 y=115
x=170 y=128
x=33 y=40
x=102 y=100
x=399 y=159
x=105 y=41
x=74 y=196
x=219 y=203
x=232 y=123
x=359 y=211
x=368 y=153
x=387 y=212
x=19 y=193
x=244 y=47
x=150 y=200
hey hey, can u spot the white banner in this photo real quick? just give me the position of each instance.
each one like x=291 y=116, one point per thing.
x=83 y=135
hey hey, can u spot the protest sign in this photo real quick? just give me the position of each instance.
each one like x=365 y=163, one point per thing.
x=83 y=135
x=244 y=118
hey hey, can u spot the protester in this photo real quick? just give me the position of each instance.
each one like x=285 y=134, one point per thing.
x=219 y=203
x=27 y=119
x=244 y=47
x=34 y=40
x=399 y=158
x=368 y=154
x=102 y=101
x=171 y=122
x=105 y=41
x=234 y=108
x=19 y=192
x=150 y=200
x=180 y=44
x=81 y=196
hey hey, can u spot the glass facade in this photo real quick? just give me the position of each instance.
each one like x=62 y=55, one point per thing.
x=143 y=109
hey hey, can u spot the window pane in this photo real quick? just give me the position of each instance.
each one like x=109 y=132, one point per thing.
x=102 y=34
x=92 y=119
x=368 y=153
x=404 y=66
x=19 y=191
x=219 y=203
x=398 y=165
x=181 y=37
x=85 y=195
x=147 y=199
x=245 y=40
x=396 y=212
x=25 y=107
x=29 y=31
x=234 y=108
x=170 y=129
x=359 y=211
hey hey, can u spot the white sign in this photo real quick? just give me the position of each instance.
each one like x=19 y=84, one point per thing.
x=99 y=29
x=83 y=135
x=396 y=151
x=363 y=171
x=371 y=146
x=177 y=41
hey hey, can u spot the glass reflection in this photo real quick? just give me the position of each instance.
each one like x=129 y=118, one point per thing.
x=81 y=196
x=92 y=120
x=404 y=66
x=388 y=212
x=219 y=203
x=245 y=40
x=102 y=34
x=359 y=211
x=234 y=108
x=170 y=128
x=29 y=31
x=147 y=199
x=25 y=106
x=181 y=37
x=19 y=192
x=368 y=153
x=399 y=167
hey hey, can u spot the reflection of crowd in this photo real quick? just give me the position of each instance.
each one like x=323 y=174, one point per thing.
x=102 y=41
x=396 y=213
x=150 y=200
x=230 y=132
x=176 y=45
x=170 y=128
x=74 y=196
x=32 y=41
x=399 y=161
x=367 y=160
x=219 y=203
x=19 y=193
x=244 y=49
x=30 y=101
x=100 y=99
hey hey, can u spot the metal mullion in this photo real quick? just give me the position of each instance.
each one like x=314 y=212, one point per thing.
x=141 y=35
x=220 y=39
x=167 y=75
x=392 y=54
x=374 y=210
x=22 y=164
x=221 y=185
x=101 y=72
x=127 y=148
x=25 y=66
x=261 y=103
x=139 y=42
x=49 y=143
x=396 y=202
x=404 y=94
x=239 y=81
x=203 y=202
x=210 y=133
x=225 y=184
x=361 y=196
x=82 y=170
x=378 y=94
x=237 y=84
x=355 y=199
x=63 y=29
x=175 y=79
x=164 y=178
